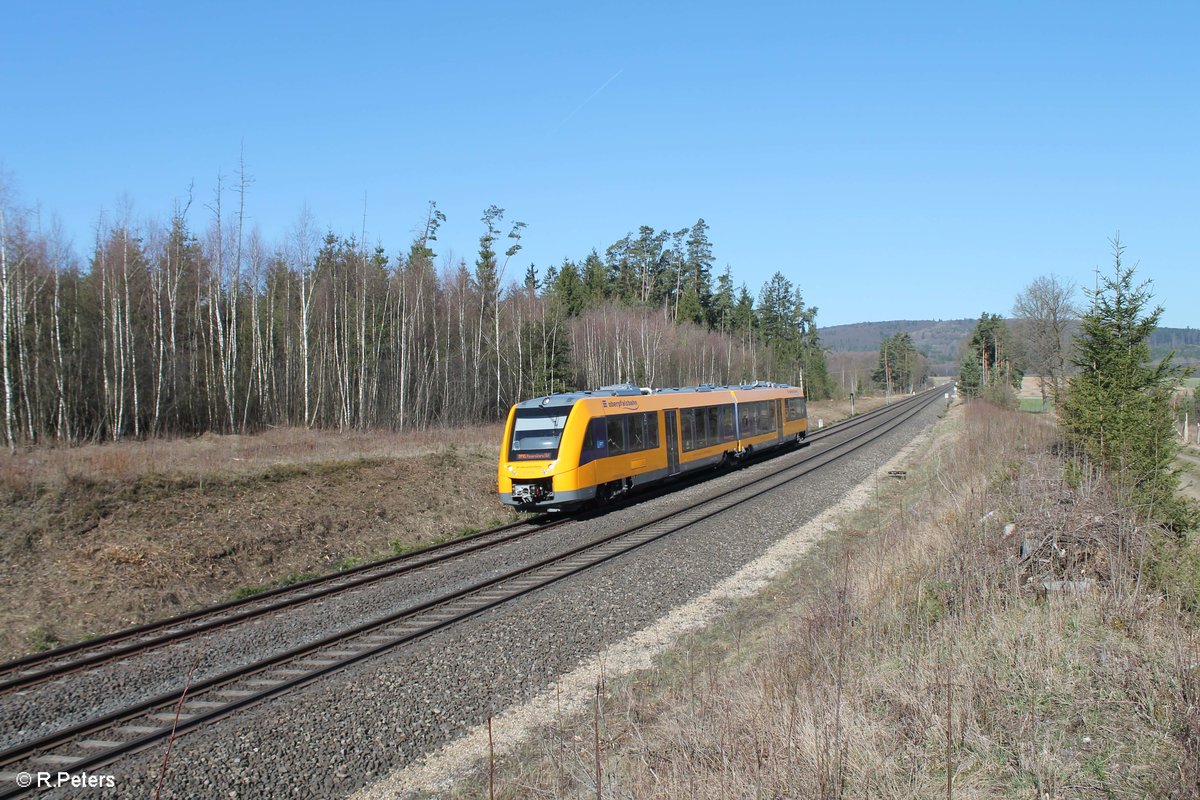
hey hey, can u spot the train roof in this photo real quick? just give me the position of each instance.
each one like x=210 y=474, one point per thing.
x=629 y=390
x=737 y=387
x=569 y=398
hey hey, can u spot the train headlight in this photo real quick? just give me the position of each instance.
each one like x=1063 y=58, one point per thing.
x=549 y=468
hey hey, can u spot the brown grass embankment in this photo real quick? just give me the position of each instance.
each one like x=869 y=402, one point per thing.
x=100 y=537
x=982 y=629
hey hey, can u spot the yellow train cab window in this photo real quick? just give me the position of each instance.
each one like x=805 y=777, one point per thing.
x=537 y=432
x=595 y=443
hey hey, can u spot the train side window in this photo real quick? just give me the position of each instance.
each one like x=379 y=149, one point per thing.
x=652 y=430
x=714 y=425
x=747 y=428
x=637 y=432
x=616 y=435
x=685 y=428
x=795 y=408
x=727 y=424
x=766 y=417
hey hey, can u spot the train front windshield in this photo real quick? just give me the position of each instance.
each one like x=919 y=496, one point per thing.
x=537 y=433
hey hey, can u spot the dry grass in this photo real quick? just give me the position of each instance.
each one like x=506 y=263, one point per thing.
x=225 y=455
x=918 y=655
x=100 y=537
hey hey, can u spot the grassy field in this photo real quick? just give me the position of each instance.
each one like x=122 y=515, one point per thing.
x=917 y=654
x=1035 y=405
x=1191 y=383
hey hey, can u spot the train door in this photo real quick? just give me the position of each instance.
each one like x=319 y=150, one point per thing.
x=672 y=442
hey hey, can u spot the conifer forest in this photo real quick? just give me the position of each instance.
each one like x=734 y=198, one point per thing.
x=197 y=324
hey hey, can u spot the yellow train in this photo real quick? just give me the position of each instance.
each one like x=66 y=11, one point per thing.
x=564 y=450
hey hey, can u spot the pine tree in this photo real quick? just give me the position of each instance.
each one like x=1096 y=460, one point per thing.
x=723 y=301
x=899 y=364
x=996 y=370
x=697 y=294
x=745 y=319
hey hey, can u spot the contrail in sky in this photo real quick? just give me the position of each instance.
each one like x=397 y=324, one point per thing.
x=585 y=102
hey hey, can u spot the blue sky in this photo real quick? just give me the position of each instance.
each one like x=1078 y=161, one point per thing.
x=895 y=160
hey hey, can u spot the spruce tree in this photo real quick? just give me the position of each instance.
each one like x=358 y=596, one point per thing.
x=1117 y=408
x=723 y=301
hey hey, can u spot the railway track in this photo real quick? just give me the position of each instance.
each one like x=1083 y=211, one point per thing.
x=31 y=670
x=101 y=740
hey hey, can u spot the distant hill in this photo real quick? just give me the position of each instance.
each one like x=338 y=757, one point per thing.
x=941 y=341
x=1184 y=341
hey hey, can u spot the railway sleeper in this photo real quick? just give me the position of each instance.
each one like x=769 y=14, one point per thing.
x=138 y=730
x=203 y=705
x=55 y=760
x=98 y=744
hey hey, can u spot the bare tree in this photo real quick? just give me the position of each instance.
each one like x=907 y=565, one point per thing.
x=302 y=263
x=1045 y=312
x=6 y=303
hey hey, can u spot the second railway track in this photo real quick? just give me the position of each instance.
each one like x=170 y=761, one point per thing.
x=101 y=740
